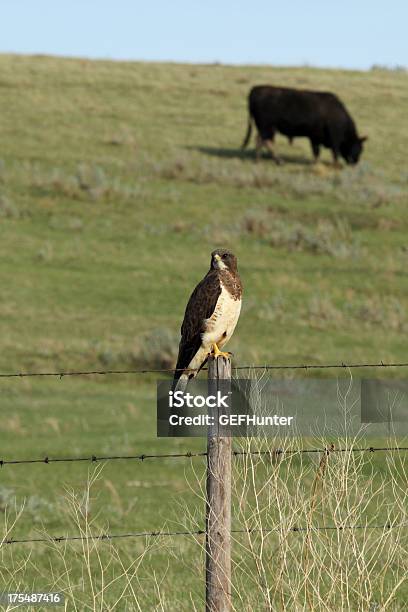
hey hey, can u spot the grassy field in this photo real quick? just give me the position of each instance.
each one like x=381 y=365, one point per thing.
x=117 y=180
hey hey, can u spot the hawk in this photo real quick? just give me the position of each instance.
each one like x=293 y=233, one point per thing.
x=210 y=318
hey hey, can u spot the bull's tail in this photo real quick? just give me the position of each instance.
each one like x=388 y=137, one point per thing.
x=249 y=132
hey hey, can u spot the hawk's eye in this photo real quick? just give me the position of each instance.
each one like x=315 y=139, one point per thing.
x=225 y=256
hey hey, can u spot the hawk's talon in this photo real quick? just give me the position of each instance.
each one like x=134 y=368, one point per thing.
x=216 y=353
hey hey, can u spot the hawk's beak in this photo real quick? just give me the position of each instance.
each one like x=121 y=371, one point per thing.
x=217 y=257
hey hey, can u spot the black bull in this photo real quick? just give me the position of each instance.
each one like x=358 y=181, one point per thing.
x=319 y=116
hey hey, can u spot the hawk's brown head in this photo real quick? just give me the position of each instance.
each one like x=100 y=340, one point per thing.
x=222 y=259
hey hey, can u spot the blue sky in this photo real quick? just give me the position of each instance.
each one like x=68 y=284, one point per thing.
x=351 y=34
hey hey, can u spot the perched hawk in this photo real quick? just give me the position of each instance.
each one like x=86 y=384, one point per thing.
x=211 y=316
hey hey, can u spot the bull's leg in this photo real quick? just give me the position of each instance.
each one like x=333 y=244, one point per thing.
x=258 y=147
x=269 y=146
x=316 y=150
x=335 y=153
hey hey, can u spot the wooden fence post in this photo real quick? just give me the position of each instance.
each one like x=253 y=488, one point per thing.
x=218 y=510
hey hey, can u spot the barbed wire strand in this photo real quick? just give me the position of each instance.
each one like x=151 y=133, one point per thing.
x=310 y=366
x=152 y=534
x=190 y=454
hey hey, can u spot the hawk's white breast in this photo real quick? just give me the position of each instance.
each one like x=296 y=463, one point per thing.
x=220 y=326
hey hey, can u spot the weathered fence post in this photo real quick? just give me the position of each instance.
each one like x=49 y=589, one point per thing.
x=218 y=511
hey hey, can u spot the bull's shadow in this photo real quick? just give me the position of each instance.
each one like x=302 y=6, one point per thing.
x=249 y=155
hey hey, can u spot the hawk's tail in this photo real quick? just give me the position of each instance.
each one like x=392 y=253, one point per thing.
x=180 y=383
x=182 y=378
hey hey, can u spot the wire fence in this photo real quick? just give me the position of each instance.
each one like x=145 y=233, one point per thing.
x=155 y=534
x=191 y=454
x=309 y=366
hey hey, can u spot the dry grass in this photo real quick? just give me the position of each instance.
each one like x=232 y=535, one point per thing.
x=343 y=569
x=156 y=349
x=325 y=237
x=91 y=574
x=364 y=184
x=360 y=564
x=88 y=183
x=7 y=208
x=274 y=567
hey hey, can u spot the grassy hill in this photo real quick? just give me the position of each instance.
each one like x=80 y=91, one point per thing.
x=117 y=179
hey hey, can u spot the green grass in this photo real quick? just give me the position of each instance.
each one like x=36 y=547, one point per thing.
x=116 y=182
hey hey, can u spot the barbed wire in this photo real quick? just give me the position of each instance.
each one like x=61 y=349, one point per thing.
x=191 y=454
x=96 y=458
x=198 y=532
x=310 y=366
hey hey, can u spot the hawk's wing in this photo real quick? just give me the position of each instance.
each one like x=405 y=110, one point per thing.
x=201 y=306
